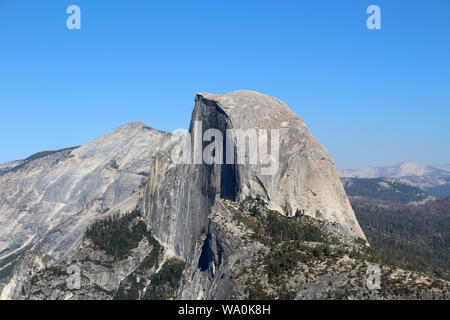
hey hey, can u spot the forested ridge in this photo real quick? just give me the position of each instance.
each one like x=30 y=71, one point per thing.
x=415 y=237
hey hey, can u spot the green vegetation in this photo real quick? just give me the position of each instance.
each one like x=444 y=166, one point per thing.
x=412 y=240
x=408 y=235
x=441 y=190
x=117 y=235
x=114 y=165
x=270 y=226
x=303 y=245
x=281 y=228
x=286 y=257
x=376 y=189
x=256 y=291
x=134 y=288
x=293 y=241
x=49 y=273
x=164 y=284
x=152 y=259
x=281 y=260
x=131 y=293
x=285 y=294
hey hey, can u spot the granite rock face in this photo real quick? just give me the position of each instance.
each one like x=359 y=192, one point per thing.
x=306 y=179
x=47 y=201
x=180 y=196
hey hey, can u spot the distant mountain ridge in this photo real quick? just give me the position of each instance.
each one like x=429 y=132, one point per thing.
x=404 y=169
x=18 y=164
x=386 y=189
x=434 y=180
x=445 y=167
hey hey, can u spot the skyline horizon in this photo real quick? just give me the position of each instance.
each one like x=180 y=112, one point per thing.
x=29 y=154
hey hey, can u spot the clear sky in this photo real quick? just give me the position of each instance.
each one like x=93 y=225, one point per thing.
x=371 y=97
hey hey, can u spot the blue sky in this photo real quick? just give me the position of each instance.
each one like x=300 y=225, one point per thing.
x=371 y=97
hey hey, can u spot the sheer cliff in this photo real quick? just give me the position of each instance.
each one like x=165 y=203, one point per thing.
x=179 y=197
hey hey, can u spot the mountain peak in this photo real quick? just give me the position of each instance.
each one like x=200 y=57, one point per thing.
x=300 y=176
x=133 y=125
x=253 y=109
x=403 y=169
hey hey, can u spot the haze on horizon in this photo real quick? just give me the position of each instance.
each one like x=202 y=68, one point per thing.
x=371 y=97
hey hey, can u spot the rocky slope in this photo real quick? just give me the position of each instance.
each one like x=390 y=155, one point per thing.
x=289 y=258
x=189 y=231
x=404 y=169
x=48 y=200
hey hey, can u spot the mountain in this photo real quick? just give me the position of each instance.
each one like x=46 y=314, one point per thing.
x=445 y=167
x=122 y=218
x=305 y=181
x=387 y=189
x=404 y=169
x=48 y=200
x=4 y=167
x=431 y=179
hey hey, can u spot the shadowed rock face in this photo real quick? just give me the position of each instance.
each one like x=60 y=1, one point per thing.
x=179 y=197
x=306 y=179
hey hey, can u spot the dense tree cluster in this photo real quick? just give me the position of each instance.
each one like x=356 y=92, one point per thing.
x=383 y=189
x=440 y=190
x=288 y=238
x=117 y=235
x=164 y=284
x=413 y=237
x=271 y=227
